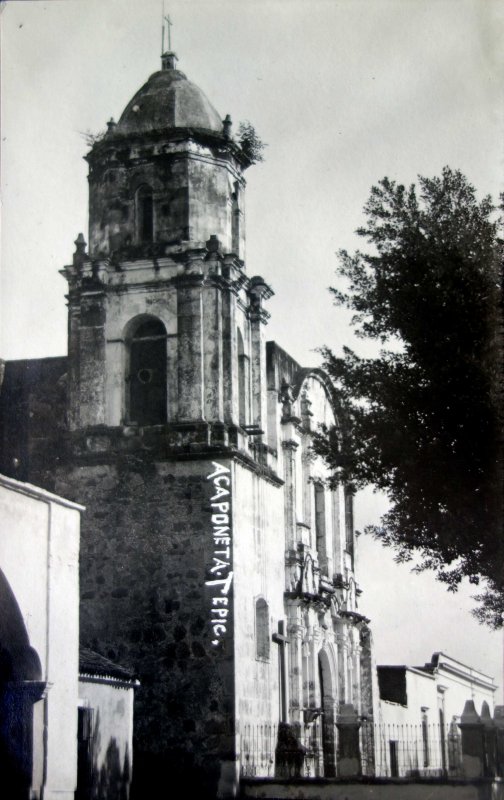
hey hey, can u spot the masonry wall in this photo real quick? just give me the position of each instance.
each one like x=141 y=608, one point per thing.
x=32 y=418
x=147 y=551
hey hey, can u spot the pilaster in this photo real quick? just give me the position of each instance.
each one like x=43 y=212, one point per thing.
x=295 y=634
x=289 y=448
x=258 y=292
x=234 y=277
x=213 y=337
x=190 y=339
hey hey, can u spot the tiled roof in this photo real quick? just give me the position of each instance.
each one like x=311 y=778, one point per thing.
x=91 y=663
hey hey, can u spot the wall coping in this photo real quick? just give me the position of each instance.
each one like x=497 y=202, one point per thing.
x=37 y=493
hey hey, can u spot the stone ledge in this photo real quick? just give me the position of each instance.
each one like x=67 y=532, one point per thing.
x=366 y=787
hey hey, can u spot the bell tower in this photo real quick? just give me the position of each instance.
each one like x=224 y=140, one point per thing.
x=165 y=327
x=166 y=409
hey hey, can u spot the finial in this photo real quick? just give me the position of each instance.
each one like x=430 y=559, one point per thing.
x=111 y=124
x=226 y=126
x=80 y=243
x=80 y=251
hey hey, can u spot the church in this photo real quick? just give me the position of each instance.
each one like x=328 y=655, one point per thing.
x=216 y=563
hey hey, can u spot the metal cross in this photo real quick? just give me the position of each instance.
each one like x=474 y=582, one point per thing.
x=282 y=641
x=169 y=23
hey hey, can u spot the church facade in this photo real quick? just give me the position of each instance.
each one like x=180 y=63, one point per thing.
x=216 y=562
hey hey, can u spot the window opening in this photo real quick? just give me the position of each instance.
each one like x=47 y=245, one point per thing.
x=147 y=378
x=394 y=758
x=262 y=629
x=425 y=739
x=442 y=738
x=145 y=214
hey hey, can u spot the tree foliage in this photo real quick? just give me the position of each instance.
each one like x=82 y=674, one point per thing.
x=421 y=420
x=250 y=143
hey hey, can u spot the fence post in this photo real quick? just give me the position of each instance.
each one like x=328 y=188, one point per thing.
x=489 y=740
x=349 y=758
x=473 y=756
x=499 y=740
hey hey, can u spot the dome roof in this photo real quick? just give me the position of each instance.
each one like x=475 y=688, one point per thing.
x=168 y=100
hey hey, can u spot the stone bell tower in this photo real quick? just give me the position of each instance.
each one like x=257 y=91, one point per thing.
x=155 y=303
x=167 y=404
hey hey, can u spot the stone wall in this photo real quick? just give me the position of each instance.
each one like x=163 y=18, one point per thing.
x=32 y=418
x=146 y=552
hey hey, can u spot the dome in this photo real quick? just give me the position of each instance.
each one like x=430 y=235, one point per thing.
x=168 y=100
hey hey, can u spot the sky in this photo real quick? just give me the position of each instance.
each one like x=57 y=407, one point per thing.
x=344 y=92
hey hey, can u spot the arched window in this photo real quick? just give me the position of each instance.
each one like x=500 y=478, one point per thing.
x=147 y=373
x=145 y=214
x=262 y=629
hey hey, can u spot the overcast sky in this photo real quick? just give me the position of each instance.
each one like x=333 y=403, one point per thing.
x=343 y=93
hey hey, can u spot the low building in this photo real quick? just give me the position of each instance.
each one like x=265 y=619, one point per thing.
x=42 y=697
x=39 y=640
x=105 y=727
x=416 y=730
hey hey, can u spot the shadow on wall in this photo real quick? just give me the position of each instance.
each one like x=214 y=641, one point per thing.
x=21 y=688
x=108 y=780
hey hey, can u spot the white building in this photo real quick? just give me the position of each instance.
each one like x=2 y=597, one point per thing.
x=416 y=728
x=42 y=738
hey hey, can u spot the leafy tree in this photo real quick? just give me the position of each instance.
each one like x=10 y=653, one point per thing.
x=421 y=419
x=250 y=143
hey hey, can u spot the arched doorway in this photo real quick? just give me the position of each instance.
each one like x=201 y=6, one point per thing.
x=20 y=688
x=327 y=699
